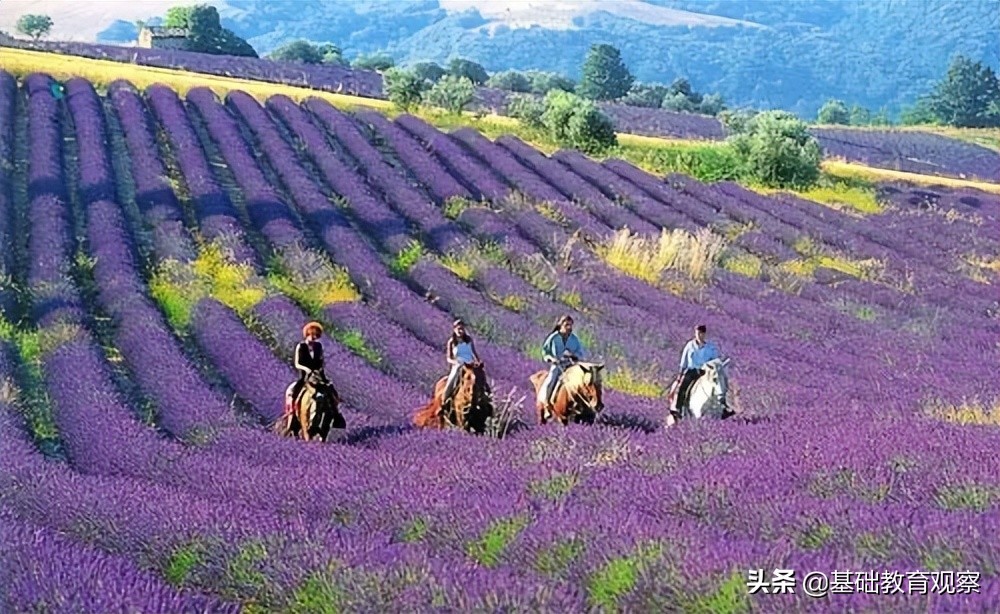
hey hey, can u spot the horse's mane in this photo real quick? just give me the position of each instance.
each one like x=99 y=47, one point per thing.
x=575 y=377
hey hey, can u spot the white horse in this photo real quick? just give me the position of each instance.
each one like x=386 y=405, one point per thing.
x=708 y=394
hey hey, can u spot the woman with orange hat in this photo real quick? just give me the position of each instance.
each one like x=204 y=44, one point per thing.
x=308 y=356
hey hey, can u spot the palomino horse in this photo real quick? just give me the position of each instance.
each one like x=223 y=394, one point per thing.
x=578 y=396
x=319 y=408
x=708 y=394
x=471 y=403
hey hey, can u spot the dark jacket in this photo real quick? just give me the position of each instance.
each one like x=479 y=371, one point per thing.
x=304 y=361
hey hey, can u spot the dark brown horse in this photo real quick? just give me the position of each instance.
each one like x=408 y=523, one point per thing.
x=318 y=407
x=578 y=397
x=471 y=405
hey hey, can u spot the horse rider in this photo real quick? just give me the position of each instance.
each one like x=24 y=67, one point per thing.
x=561 y=349
x=460 y=350
x=308 y=356
x=696 y=353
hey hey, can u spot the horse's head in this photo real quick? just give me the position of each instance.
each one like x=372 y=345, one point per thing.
x=715 y=373
x=583 y=383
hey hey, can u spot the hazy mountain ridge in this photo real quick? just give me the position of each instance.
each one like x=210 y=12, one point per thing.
x=875 y=54
x=791 y=55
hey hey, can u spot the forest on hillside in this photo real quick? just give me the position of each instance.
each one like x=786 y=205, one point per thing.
x=875 y=54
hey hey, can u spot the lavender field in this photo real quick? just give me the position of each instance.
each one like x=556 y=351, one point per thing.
x=161 y=254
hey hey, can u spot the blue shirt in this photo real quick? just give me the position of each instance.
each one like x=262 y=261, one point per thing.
x=554 y=346
x=694 y=357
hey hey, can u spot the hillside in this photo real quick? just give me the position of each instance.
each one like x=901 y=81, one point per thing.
x=143 y=365
x=760 y=53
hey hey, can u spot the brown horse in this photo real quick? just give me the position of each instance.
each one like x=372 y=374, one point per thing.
x=578 y=396
x=318 y=409
x=471 y=404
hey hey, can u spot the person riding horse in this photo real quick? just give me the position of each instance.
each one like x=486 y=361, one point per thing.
x=460 y=350
x=561 y=349
x=308 y=357
x=696 y=353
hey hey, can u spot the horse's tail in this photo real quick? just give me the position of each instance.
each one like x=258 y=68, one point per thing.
x=429 y=416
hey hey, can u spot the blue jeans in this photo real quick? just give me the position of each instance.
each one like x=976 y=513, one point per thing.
x=555 y=371
x=453 y=377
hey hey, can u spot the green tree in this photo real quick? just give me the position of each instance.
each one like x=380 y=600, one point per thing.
x=205 y=31
x=459 y=67
x=963 y=97
x=590 y=130
x=860 y=116
x=331 y=54
x=404 y=87
x=575 y=122
x=178 y=17
x=882 y=118
x=605 y=76
x=777 y=150
x=921 y=112
x=683 y=87
x=833 y=112
x=510 y=80
x=736 y=121
x=676 y=101
x=297 y=51
x=544 y=82
x=429 y=71
x=377 y=62
x=451 y=93
x=527 y=109
x=35 y=26
x=645 y=95
x=712 y=104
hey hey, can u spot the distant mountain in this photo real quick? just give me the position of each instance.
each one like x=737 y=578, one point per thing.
x=760 y=53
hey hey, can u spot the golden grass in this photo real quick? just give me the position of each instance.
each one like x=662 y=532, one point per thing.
x=836 y=194
x=967 y=412
x=744 y=263
x=631 y=381
x=694 y=255
x=460 y=265
x=982 y=270
x=850 y=170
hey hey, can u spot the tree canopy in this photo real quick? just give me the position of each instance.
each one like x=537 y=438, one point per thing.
x=205 y=31
x=35 y=26
x=605 y=76
x=968 y=96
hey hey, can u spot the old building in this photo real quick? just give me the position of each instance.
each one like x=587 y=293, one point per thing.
x=157 y=37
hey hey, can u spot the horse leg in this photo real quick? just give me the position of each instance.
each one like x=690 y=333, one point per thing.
x=304 y=422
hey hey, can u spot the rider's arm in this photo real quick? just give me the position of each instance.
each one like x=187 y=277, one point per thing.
x=549 y=350
x=448 y=350
x=475 y=354
x=685 y=357
x=298 y=356
x=578 y=350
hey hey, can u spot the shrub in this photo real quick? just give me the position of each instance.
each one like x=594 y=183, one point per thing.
x=527 y=109
x=777 y=150
x=574 y=122
x=451 y=93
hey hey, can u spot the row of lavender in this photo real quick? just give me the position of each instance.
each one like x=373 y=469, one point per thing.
x=701 y=548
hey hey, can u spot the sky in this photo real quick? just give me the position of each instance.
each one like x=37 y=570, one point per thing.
x=82 y=20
